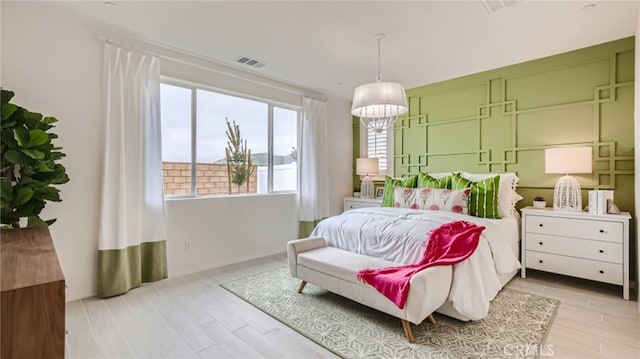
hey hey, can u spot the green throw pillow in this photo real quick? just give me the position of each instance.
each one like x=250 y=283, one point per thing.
x=390 y=183
x=484 y=197
x=457 y=182
x=426 y=181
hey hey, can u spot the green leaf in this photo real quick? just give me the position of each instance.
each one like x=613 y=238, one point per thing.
x=6 y=190
x=8 y=110
x=16 y=157
x=21 y=136
x=36 y=221
x=37 y=138
x=5 y=96
x=49 y=120
x=50 y=221
x=44 y=167
x=35 y=154
x=50 y=194
x=34 y=206
x=32 y=119
x=23 y=195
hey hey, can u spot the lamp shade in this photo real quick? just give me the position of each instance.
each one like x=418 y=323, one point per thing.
x=366 y=166
x=568 y=160
x=379 y=100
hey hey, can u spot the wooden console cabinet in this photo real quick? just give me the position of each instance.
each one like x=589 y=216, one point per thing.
x=33 y=295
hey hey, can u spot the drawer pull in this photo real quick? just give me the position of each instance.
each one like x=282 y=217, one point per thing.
x=602 y=231
x=540 y=261
x=601 y=251
x=540 y=243
x=541 y=225
x=601 y=272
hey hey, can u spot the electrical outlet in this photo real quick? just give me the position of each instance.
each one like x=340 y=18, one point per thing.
x=187 y=245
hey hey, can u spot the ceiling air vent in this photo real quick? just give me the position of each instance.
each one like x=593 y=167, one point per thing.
x=495 y=5
x=247 y=61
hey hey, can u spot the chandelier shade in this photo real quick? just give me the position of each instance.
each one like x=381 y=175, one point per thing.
x=379 y=100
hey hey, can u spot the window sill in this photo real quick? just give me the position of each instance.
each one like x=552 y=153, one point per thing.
x=226 y=196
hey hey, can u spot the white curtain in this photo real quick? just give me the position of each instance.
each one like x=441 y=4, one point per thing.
x=313 y=167
x=131 y=244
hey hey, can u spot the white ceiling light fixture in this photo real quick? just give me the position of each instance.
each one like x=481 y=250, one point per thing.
x=377 y=104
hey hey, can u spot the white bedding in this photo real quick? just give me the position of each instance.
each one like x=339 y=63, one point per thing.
x=398 y=235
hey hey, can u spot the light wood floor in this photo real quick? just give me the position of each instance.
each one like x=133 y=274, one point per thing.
x=192 y=317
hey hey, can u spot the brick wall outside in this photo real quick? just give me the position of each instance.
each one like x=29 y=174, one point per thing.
x=211 y=178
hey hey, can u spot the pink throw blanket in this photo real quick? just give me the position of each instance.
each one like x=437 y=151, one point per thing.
x=448 y=244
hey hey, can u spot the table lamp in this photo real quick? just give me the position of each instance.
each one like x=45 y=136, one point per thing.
x=567 y=194
x=366 y=167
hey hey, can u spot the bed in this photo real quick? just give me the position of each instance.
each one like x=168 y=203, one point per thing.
x=399 y=234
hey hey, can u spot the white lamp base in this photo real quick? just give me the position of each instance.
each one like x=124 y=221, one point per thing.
x=366 y=190
x=567 y=194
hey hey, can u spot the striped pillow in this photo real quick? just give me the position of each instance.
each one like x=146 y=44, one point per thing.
x=426 y=181
x=484 y=195
x=390 y=183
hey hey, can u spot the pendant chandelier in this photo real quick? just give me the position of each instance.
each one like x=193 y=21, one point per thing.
x=377 y=104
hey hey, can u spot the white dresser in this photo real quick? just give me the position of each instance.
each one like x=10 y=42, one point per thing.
x=579 y=244
x=358 y=202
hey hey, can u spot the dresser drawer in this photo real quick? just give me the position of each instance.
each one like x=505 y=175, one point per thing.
x=353 y=203
x=574 y=247
x=575 y=267
x=577 y=228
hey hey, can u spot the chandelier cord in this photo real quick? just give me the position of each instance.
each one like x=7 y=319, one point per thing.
x=379 y=75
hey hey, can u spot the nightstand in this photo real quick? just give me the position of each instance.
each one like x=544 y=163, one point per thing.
x=358 y=202
x=578 y=244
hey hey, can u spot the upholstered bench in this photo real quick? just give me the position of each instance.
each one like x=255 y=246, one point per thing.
x=333 y=269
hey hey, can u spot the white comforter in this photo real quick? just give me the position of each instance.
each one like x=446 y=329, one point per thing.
x=399 y=235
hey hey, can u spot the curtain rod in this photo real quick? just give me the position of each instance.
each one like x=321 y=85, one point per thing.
x=139 y=46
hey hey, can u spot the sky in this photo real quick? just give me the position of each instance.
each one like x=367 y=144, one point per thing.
x=212 y=108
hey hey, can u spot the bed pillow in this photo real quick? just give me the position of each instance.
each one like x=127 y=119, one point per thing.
x=434 y=199
x=390 y=183
x=507 y=195
x=483 y=201
x=428 y=181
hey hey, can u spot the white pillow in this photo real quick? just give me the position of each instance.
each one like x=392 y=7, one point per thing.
x=432 y=199
x=507 y=195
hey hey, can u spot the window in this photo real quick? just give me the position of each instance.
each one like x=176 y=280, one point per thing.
x=195 y=143
x=378 y=145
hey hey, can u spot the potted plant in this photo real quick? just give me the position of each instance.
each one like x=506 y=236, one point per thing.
x=539 y=202
x=30 y=169
x=356 y=191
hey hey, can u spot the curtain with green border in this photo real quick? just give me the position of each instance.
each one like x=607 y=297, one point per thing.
x=313 y=166
x=131 y=241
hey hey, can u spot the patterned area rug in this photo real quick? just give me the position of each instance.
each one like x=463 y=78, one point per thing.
x=516 y=326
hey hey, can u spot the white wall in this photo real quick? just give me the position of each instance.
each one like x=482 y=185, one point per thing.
x=54 y=64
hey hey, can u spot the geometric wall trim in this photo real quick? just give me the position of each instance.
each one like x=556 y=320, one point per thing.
x=502 y=120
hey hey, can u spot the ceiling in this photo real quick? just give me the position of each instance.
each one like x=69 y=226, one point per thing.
x=329 y=47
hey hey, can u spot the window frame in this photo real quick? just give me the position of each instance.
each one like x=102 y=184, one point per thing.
x=364 y=149
x=194 y=87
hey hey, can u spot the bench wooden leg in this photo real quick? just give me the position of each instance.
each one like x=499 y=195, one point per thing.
x=407 y=330
x=407 y=327
x=302 y=284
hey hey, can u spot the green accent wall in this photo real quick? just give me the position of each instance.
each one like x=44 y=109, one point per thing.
x=502 y=120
